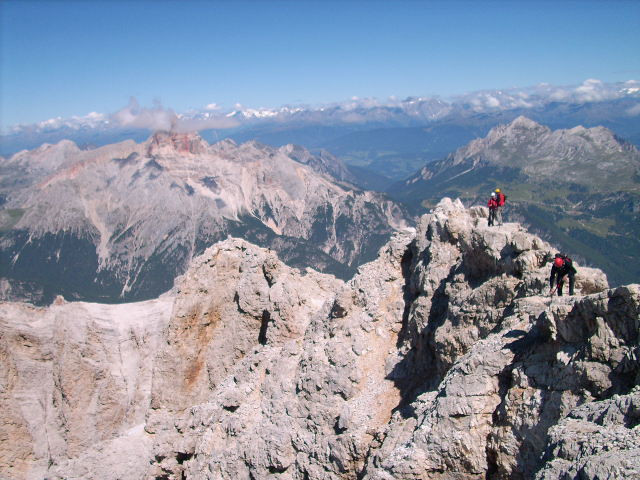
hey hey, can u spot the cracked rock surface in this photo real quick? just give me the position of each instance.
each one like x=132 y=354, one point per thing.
x=442 y=359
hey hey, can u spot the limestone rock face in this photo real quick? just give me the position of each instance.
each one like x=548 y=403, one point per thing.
x=287 y=372
x=597 y=440
x=74 y=376
x=444 y=359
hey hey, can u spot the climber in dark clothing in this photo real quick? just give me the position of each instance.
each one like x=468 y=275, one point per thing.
x=561 y=269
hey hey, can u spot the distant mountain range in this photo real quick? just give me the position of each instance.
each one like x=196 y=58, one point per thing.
x=392 y=138
x=120 y=222
x=577 y=186
x=580 y=188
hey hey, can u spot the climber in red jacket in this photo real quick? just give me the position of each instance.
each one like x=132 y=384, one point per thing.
x=493 y=208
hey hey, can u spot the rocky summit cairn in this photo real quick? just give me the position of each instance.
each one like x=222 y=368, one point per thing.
x=442 y=359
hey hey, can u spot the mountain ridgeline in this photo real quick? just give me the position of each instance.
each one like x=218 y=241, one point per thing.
x=391 y=139
x=120 y=222
x=579 y=188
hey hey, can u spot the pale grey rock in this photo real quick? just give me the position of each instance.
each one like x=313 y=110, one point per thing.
x=323 y=162
x=117 y=458
x=597 y=150
x=442 y=359
x=74 y=375
x=597 y=440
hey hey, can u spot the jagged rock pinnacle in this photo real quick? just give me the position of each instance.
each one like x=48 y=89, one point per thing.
x=167 y=143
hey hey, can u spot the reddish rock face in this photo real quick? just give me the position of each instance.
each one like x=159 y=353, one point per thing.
x=180 y=143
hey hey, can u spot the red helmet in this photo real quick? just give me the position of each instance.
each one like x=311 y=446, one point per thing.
x=558 y=262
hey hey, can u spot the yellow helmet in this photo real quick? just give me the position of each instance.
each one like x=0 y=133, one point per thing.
x=497 y=190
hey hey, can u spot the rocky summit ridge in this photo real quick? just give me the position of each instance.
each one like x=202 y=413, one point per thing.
x=441 y=359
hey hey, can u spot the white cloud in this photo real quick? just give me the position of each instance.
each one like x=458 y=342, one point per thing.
x=354 y=103
x=159 y=118
x=156 y=118
x=197 y=124
x=492 y=102
x=92 y=119
x=52 y=123
x=593 y=90
x=560 y=95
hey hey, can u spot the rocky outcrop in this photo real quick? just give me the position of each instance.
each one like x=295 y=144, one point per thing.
x=290 y=374
x=596 y=440
x=442 y=359
x=75 y=377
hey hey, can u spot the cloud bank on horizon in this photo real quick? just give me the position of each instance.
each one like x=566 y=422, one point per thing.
x=159 y=118
x=212 y=116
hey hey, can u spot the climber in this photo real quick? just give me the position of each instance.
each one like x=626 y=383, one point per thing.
x=501 y=198
x=561 y=269
x=493 y=208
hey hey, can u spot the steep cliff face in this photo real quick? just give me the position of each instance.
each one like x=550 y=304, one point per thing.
x=441 y=359
x=75 y=376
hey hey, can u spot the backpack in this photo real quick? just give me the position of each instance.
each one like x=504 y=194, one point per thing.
x=502 y=198
x=567 y=262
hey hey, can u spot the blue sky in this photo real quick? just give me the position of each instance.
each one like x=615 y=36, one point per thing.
x=69 y=58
